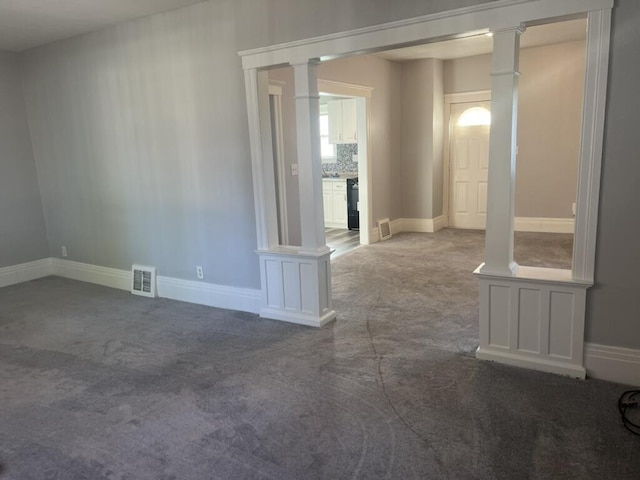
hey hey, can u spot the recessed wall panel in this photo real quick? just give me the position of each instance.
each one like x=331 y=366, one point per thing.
x=274 y=283
x=499 y=308
x=561 y=318
x=308 y=293
x=291 y=279
x=529 y=318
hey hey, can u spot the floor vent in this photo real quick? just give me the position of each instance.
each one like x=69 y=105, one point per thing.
x=143 y=281
x=384 y=227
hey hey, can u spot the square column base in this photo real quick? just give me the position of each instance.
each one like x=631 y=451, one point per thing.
x=534 y=319
x=296 y=286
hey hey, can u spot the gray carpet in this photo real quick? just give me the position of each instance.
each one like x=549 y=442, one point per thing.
x=98 y=384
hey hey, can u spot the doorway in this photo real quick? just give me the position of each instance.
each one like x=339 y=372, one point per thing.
x=468 y=117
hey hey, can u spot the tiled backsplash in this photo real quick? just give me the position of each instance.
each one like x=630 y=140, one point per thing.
x=345 y=163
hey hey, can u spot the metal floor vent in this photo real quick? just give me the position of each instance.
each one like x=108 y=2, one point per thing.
x=384 y=227
x=143 y=280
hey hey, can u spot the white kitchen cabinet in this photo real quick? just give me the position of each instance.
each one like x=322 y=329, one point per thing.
x=343 y=126
x=334 y=199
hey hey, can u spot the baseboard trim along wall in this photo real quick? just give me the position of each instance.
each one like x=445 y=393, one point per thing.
x=544 y=225
x=25 y=272
x=615 y=364
x=233 y=298
x=420 y=225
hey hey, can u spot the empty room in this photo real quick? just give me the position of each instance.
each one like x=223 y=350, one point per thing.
x=170 y=307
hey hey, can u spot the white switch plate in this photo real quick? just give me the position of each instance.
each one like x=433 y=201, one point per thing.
x=294 y=169
x=354 y=158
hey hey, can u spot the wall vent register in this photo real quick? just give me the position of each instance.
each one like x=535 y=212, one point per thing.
x=143 y=281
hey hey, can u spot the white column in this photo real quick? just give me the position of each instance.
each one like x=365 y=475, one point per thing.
x=309 y=158
x=502 y=153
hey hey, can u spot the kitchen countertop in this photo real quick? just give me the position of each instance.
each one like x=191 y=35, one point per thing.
x=341 y=176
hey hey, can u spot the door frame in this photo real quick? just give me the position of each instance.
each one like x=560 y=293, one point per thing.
x=449 y=100
x=362 y=95
x=275 y=90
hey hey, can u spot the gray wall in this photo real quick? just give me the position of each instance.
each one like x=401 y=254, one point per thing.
x=141 y=144
x=141 y=136
x=422 y=131
x=549 y=117
x=23 y=236
x=613 y=314
x=268 y=22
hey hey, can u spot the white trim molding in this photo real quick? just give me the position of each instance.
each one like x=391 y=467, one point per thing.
x=615 y=364
x=543 y=224
x=534 y=319
x=25 y=272
x=202 y=293
x=418 y=225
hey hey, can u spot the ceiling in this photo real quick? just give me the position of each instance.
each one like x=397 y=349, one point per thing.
x=466 y=47
x=26 y=24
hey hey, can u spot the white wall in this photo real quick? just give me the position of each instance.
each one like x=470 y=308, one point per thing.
x=23 y=236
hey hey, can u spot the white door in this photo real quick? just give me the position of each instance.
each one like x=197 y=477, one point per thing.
x=469 y=164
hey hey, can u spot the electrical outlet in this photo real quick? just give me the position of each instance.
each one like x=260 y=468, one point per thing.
x=294 y=169
x=64 y=251
x=573 y=208
x=199 y=272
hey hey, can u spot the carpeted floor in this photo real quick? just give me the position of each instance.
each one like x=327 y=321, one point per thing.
x=99 y=384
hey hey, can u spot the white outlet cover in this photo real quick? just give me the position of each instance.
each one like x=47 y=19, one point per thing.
x=354 y=158
x=294 y=169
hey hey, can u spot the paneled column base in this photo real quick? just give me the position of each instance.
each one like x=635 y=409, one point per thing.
x=534 y=319
x=296 y=286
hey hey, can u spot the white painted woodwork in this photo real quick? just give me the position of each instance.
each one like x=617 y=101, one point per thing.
x=593 y=111
x=309 y=158
x=513 y=316
x=342 y=121
x=469 y=167
x=334 y=198
x=502 y=152
x=534 y=319
x=297 y=287
x=334 y=110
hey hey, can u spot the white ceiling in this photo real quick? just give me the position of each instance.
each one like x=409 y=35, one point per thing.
x=466 y=47
x=29 y=23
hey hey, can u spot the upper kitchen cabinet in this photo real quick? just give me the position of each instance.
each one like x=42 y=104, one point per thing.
x=342 y=121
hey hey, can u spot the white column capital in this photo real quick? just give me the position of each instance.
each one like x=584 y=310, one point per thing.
x=518 y=30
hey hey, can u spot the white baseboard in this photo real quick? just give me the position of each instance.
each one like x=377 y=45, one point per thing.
x=420 y=225
x=25 y=272
x=615 y=364
x=233 y=298
x=544 y=225
x=423 y=225
x=220 y=296
x=85 y=272
x=533 y=363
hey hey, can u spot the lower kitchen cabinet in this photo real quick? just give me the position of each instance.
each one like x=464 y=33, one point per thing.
x=334 y=196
